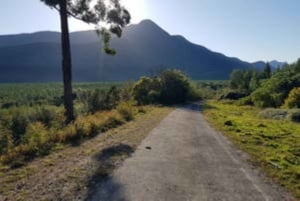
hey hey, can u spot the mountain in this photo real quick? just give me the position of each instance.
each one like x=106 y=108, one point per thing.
x=274 y=64
x=144 y=49
x=277 y=64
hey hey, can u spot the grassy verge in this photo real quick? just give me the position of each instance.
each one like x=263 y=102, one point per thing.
x=273 y=144
x=73 y=172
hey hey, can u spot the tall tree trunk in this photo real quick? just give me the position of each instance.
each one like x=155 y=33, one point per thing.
x=66 y=62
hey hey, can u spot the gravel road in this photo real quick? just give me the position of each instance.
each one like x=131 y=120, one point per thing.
x=184 y=159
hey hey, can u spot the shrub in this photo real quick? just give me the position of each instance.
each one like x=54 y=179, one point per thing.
x=6 y=140
x=19 y=122
x=36 y=140
x=98 y=100
x=146 y=90
x=126 y=110
x=175 y=87
x=170 y=87
x=262 y=98
x=293 y=100
x=44 y=115
x=36 y=134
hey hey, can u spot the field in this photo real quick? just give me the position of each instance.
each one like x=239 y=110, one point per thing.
x=272 y=144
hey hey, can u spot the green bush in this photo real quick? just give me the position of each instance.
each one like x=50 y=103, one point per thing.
x=98 y=100
x=293 y=100
x=175 y=87
x=146 y=90
x=43 y=114
x=36 y=134
x=170 y=87
x=19 y=123
x=274 y=91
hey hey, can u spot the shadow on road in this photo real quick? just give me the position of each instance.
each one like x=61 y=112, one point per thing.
x=100 y=185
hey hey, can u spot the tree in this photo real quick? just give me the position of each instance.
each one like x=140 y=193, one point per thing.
x=267 y=72
x=110 y=12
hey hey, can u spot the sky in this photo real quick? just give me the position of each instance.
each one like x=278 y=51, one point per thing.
x=251 y=30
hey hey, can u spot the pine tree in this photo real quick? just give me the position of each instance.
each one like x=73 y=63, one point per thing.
x=110 y=12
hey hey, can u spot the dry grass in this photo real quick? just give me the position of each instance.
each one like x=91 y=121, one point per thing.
x=71 y=172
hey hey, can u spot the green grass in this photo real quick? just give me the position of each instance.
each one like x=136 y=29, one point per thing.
x=274 y=145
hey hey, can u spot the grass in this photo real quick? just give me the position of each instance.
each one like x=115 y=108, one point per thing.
x=272 y=144
x=73 y=172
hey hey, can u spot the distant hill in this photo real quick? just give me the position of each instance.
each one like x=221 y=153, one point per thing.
x=144 y=49
x=274 y=64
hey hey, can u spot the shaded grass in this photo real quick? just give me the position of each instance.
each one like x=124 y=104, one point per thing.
x=273 y=144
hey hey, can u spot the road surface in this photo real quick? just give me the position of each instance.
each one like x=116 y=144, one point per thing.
x=184 y=159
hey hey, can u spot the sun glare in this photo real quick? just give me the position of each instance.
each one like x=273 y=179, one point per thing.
x=137 y=9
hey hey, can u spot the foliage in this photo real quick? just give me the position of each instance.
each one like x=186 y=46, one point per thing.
x=169 y=87
x=240 y=80
x=273 y=144
x=100 y=99
x=209 y=89
x=293 y=100
x=147 y=90
x=175 y=87
x=275 y=90
x=126 y=110
x=109 y=12
x=35 y=125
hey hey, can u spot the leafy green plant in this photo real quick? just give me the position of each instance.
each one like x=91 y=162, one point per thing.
x=293 y=100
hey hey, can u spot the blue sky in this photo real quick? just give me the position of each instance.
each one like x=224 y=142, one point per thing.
x=249 y=29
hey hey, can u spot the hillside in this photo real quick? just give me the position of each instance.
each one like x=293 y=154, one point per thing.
x=144 y=48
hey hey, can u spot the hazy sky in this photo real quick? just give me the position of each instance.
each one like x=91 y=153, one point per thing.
x=249 y=29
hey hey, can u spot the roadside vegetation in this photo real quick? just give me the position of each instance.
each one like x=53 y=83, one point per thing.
x=260 y=112
x=32 y=121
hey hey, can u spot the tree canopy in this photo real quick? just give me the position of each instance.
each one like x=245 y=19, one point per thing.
x=108 y=16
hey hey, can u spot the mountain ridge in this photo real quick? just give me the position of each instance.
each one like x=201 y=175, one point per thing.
x=143 y=48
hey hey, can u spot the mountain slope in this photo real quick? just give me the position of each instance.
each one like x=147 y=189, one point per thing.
x=143 y=49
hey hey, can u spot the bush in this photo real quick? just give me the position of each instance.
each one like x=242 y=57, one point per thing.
x=6 y=140
x=170 y=87
x=44 y=115
x=36 y=140
x=146 y=90
x=263 y=98
x=36 y=134
x=19 y=123
x=98 y=100
x=126 y=110
x=293 y=100
x=175 y=87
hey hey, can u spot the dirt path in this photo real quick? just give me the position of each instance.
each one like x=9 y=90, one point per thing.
x=184 y=159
